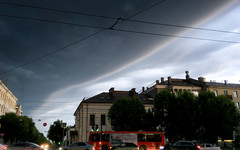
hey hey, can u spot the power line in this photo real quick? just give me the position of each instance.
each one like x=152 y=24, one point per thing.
x=45 y=102
x=181 y=26
x=121 y=30
x=50 y=21
x=176 y=36
x=55 y=51
x=102 y=29
x=115 y=18
x=73 y=43
x=146 y=9
x=58 y=10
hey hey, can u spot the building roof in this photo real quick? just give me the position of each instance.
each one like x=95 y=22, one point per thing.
x=110 y=97
x=218 y=84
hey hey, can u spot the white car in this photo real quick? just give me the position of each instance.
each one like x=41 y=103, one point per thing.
x=24 y=146
x=3 y=147
x=208 y=146
x=79 y=146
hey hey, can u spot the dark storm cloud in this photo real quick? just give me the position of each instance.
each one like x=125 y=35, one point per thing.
x=50 y=58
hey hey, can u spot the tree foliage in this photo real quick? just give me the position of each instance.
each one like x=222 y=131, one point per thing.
x=204 y=117
x=127 y=114
x=55 y=132
x=219 y=116
x=20 y=128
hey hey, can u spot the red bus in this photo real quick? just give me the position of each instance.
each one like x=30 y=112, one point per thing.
x=145 y=140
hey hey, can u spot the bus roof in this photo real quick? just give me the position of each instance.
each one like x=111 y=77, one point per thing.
x=149 y=132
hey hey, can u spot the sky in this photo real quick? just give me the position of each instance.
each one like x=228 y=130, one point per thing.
x=53 y=54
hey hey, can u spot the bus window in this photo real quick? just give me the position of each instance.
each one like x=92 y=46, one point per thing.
x=105 y=137
x=141 y=138
x=154 y=138
x=95 y=137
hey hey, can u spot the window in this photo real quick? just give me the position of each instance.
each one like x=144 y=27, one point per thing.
x=105 y=137
x=103 y=119
x=225 y=92
x=92 y=120
x=154 y=138
x=237 y=104
x=215 y=92
x=195 y=93
x=208 y=145
x=81 y=144
x=141 y=138
x=235 y=94
x=149 y=138
x=95 y=137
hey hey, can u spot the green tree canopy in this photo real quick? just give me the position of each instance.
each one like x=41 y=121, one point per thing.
x=177 y=114
x=204 y=118
x=126 y=114
x=219 y=116
x=20 y=128
x=55 y=132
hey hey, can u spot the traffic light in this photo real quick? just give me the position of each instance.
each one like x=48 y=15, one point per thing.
x=59 y=143
x=97 y=129
x=92 y=129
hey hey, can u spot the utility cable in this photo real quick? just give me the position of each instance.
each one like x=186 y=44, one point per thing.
x=55 y=51
x=123 y=19
x=50 y=21
x=112 y=28
x=73 y=43
x=57 y=10
x=176 y=36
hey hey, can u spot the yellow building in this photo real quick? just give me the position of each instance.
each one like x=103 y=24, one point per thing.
x=8 y=102
x=195 y=86
x=94 y=110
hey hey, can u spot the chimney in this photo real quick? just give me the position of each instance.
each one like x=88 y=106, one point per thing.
x=169 y=80
x=225 y=81
x=111 y=91
x=143 y=89
x=132 y=92
x=162 y=79
x=202 y=79
x=187 y=75
x=157 y=81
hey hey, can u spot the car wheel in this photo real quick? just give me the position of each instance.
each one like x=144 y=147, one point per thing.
x=104 y=147
x=143 y=147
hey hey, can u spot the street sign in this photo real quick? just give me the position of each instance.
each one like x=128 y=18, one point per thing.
x=44 y=124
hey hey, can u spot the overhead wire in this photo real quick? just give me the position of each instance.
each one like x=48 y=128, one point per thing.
x=177 y=36
x=57 y=50
x=115 y=18
x=116 y=29
x=57 y=10
x=44 y=102
x=73 y=43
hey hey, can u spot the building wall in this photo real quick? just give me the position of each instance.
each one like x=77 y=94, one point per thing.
x=7 y=100
x=85 y=110
x=233 y=93
x=82 y=118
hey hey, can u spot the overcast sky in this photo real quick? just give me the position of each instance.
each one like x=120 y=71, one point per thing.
x=55 y=53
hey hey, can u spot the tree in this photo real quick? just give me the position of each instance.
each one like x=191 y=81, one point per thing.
x=126 y=114
x=19 y=128
x=55 y=133
x=187 y=119
x=219 y=116
x=204 y=118
x=165 y=110
x=149 y=122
